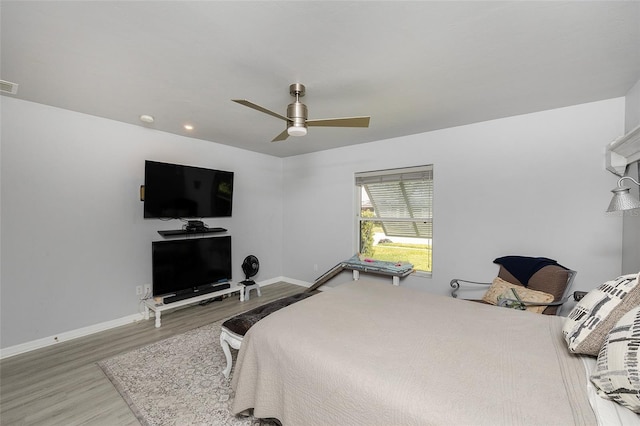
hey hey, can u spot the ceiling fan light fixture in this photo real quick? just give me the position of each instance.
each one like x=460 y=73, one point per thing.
x=297 y=130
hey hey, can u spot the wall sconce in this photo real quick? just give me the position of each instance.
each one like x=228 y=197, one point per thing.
x=622 y=198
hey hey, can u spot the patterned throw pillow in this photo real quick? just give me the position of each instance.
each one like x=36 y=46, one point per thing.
x=616 y=374
x=588 y=324
x=502 y=289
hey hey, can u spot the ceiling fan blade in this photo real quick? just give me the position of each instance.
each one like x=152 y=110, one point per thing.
x=282 y=136
x=340 y=122
x=259 y=108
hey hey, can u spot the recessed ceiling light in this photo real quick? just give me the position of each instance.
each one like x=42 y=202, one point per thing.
x=147 y=118
x=188 y=127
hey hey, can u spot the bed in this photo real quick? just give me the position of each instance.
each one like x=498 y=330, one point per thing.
x=370 y=353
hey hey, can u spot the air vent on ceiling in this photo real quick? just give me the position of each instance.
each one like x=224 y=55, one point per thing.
x=8 y=87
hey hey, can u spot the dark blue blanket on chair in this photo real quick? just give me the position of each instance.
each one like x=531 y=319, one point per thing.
x=523 y=267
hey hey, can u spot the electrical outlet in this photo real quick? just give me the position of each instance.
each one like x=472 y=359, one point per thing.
x=147 y=289
x=139 y=290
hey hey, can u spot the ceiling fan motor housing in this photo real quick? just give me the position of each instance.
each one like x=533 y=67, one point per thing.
x=297 y=113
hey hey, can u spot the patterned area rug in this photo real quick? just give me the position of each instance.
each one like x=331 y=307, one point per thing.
x=177 y=381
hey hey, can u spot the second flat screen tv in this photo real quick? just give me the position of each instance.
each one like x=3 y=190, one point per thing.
x=190 y=265
x=173 y=191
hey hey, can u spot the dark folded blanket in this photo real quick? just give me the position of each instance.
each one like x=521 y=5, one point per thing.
x=241 y=323
x=523 y=267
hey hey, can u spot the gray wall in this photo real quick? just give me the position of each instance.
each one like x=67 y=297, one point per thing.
x=74 y=241
x=532 y=185
x=74 y=244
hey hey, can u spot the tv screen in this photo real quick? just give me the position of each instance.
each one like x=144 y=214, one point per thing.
x=175 y=191
x=184 y=265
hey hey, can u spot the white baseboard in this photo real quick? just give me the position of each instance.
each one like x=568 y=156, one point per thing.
x=85 y=331
x=67 y=335
x=285 y=279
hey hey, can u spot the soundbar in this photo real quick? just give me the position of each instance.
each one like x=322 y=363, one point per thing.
x=209 y=288
x=189 y=231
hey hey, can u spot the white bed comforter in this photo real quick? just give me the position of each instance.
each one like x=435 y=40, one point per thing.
x=374 y=354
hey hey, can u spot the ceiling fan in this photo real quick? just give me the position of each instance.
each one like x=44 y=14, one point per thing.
x=297 y=116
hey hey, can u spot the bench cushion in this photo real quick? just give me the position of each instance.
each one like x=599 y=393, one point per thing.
x=241 y=323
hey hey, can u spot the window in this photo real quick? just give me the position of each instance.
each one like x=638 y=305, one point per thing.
x=395 y=215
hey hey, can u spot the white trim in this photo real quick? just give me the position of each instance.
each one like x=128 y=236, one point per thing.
x=273 y=281
x=96 y=328
x=299 y=282
x=68 y=335
x=399 y=174
x=288 y=280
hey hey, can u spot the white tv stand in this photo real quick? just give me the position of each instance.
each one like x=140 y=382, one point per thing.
x=158 y=308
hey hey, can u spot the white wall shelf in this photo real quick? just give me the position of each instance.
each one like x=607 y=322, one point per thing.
x=623 y=151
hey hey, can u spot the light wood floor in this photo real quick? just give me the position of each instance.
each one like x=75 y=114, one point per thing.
x=62 y=384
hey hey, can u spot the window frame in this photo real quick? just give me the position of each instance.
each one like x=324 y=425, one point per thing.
x=427 y=169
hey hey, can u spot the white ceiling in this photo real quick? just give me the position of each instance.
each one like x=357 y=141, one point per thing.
x=412 y=66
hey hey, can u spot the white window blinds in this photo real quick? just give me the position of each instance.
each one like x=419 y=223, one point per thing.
x=403 y=195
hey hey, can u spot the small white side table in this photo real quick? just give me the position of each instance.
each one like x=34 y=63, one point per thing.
x=246 y=289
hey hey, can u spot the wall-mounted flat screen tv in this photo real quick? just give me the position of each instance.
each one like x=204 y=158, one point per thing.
x=190 y=265
x=175 y=191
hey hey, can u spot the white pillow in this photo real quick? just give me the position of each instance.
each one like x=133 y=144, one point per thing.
x=589 y=323
x=616 y=373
